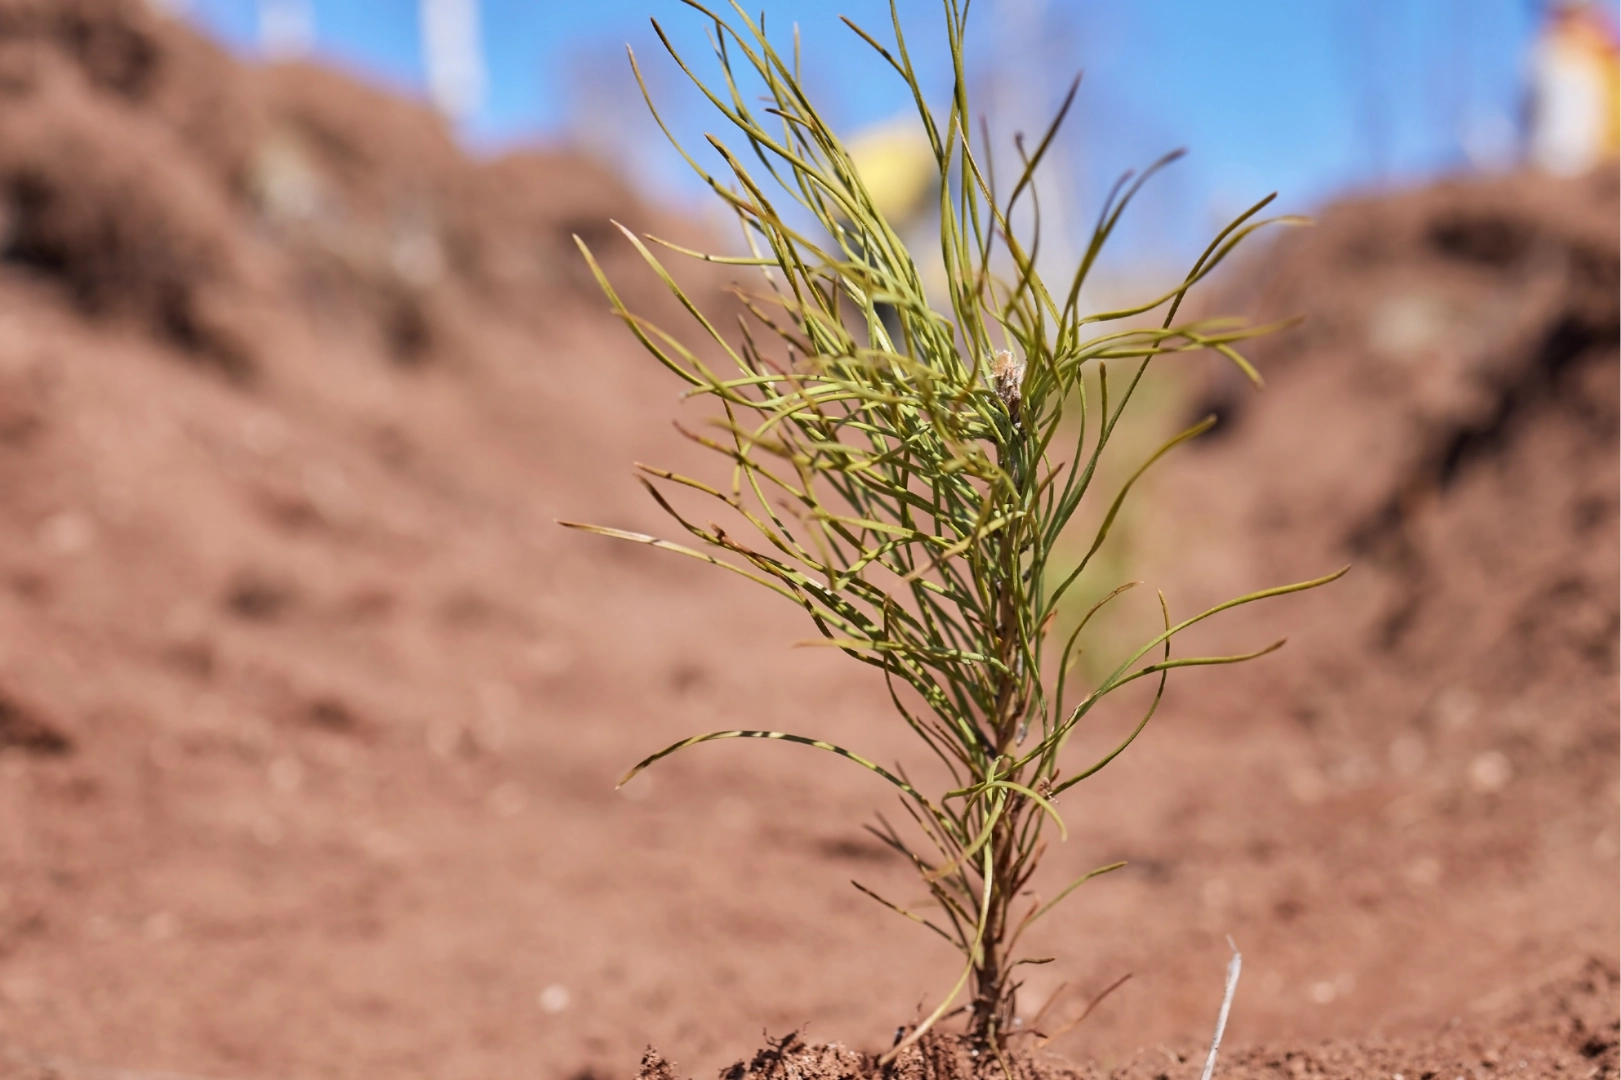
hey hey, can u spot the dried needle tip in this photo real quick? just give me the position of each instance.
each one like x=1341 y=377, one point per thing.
x=1007 y=376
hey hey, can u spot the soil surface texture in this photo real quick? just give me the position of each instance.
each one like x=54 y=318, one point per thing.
x=310 y=715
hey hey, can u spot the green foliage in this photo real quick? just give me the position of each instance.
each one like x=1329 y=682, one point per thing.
x=907 y=472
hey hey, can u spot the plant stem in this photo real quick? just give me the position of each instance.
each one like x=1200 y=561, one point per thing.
x=995 y=994
x=994 y=997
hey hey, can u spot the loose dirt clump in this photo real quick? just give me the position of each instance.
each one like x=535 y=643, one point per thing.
x=21 y=729
x=1566 y=1027
x=936 y=1056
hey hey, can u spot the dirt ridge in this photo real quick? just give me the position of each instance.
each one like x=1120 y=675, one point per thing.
x=310 y=714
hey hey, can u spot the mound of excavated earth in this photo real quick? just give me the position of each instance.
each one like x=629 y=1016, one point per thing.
x=310 y=716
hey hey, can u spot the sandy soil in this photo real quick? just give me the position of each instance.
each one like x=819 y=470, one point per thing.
x=310 y=716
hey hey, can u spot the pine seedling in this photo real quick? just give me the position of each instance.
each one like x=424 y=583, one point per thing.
x=905 y=472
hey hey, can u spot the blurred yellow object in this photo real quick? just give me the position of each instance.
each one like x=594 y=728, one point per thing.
x=1575 y=75
x=898 y=168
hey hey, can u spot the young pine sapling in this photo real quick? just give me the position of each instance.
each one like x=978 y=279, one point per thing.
x=910 y=471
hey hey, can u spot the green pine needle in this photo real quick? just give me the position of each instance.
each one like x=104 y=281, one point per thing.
x=895 y=462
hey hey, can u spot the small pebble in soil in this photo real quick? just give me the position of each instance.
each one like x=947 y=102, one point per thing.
x=1490 y=772
x=67 y=533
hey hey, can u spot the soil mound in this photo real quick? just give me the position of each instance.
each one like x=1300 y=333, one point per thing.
x=1449 y=332
x=1445 y=421
x=1565 y=1028
x=310 y=716
x=934 y=1057
x=1443 y=722
x=150 y=177
x=290 y=394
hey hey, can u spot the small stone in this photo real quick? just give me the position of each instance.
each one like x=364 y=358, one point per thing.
x=554 y=999
x=1490 y=772
x=67 y=533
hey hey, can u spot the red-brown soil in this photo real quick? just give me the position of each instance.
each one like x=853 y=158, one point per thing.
x=310 y=716
x=1565 y=1028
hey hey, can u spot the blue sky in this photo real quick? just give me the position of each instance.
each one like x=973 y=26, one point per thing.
x=1309 y=97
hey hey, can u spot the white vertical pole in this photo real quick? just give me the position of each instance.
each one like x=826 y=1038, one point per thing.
x=1019 y=97
x=453 y=56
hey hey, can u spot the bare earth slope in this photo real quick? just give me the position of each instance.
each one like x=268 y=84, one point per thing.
x=310 y=716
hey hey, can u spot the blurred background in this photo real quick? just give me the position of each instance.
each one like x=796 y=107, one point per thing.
x=310 y=714
x=1313 y=100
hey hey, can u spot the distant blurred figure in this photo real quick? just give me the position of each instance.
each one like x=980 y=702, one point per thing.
x=897 y=166
x=898 y=169
x=453 y=56
x=1575 y=83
